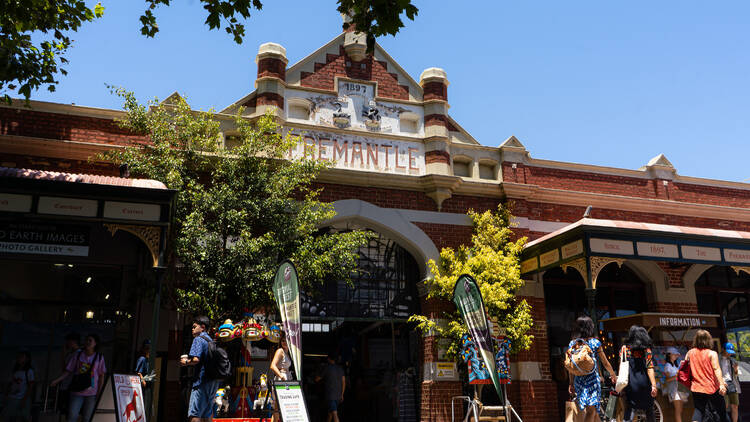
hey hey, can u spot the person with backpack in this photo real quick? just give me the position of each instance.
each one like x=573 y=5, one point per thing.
x=729 y=369
x=582 y=366
x=87 y=369
x=18 y=398
x=202 y=356
x=641 y=389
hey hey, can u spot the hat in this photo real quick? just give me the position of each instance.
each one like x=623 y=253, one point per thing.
x=673 y=350
x=729 y=348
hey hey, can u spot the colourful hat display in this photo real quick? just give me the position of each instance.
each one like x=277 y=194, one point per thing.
x=729 y=347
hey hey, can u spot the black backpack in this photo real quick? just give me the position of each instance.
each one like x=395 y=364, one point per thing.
x=217 y=363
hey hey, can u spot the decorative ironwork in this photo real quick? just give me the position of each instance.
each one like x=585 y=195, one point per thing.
x=578 y=265
x=149 y=235
x=737 y=269
x=383 y=286
x=598 y=263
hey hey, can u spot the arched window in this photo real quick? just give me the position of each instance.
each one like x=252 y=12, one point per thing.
x=721 y=290
x=383 y=286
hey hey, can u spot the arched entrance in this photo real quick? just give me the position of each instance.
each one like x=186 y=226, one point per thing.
x=364 y=320
x=721 y=290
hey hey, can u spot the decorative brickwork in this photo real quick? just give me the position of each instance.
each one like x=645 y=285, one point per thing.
x=435 y=120
x=274 y=68
x=672 y=307
x=435 y=91
x=437 y=157
x=270 y=98
x=675 y=272
x=368 y=69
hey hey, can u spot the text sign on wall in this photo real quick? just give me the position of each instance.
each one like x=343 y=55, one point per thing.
x=549 y=258
x=530 y=264
x=701 y=253
x=572 y=249
x=132 y=211
x=44 y=239
x=609 y=246
x=347 y=89
x=361 y=153
x=658 y=250
x=129 y=398
x=737 y=255
x=11 y=202
x=67 y=206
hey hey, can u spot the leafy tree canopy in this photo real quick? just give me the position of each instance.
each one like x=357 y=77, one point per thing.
x=239 y=211
x=25 y=65
x=492 y=260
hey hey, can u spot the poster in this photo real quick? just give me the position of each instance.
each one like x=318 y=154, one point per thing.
x=291 y=401
x=286 y=292
x=129 y=398
x=468 y=300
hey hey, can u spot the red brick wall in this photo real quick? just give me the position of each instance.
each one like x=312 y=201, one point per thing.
x=435 y=91
x=445 y=235
x=61 y=126
x=437 y=157
x=368 y=69
x=535 y=401
x=673 y=307
x=272 y=67
x=386 y=198
x=675 y=272
x=436 y=399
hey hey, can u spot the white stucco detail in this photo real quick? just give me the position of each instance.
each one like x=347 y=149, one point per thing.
x=391 y=223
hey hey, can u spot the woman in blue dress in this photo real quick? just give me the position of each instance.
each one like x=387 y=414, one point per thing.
x=588 y=388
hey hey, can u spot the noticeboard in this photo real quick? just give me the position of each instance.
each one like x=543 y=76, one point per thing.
x=291 y=401
x=128 y=398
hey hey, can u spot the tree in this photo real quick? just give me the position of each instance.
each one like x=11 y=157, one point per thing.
x=239 y=211
x=27 y=66
x=493 y=260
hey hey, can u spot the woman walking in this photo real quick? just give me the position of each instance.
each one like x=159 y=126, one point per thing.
x=641 y=389
x=588 y=388
x=88 y=369
x=677 y=393
x=19 y=396
x=708 y=385
x=280 y=365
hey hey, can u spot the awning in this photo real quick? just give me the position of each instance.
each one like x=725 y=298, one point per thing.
x=590 y=244
x=141 y=207
x=662 y=321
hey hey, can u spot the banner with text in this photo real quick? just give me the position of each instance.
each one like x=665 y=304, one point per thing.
x=468 y=300
x=44 y=239
x=286 y=291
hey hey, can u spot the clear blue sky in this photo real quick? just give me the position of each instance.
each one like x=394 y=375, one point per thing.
x=597 y=82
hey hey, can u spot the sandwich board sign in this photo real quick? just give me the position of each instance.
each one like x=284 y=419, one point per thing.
x=128 y=398
x=291 y=401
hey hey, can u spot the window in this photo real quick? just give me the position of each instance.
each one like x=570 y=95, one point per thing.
x=462 y=168
x=299 y=108
x=486 y=171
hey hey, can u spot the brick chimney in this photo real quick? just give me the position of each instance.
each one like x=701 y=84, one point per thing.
x=434 y=82
x=272 y=61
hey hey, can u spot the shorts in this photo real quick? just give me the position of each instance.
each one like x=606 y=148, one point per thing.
x=732 y=398
x=679 y=395
x=202 y=400
x=333 y=405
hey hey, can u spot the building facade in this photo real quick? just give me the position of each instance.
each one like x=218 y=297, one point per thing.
x=403 y=168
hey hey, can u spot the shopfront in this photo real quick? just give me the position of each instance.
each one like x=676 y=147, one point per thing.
x=78 y=254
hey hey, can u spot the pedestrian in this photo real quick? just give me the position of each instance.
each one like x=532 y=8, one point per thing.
x=280 y=365
x=677 y=393
x=69 y=350
x=334 y=385
x=588 y=388
x=87 y=368
x=20 y=393
x=203 y=392
x=708 y=384
x=729 y=369
x=142 y=368
x=641 y=389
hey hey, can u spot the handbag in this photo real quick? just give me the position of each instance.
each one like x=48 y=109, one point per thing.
x=609 y=412
x=623 y=374
x=684 y=375
x=81 y=382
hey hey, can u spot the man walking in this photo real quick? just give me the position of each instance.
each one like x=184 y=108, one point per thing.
x=204 y=390
x=334 y=384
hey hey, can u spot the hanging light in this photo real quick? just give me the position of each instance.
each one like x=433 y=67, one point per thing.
x=89 y=314
x=88 y=280
x=106 y=297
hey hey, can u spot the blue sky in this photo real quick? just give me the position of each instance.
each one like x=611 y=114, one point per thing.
x=596 y=82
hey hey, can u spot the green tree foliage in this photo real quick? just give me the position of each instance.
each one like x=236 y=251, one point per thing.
x=493 y=260
x=239 y=211
x=27 y=66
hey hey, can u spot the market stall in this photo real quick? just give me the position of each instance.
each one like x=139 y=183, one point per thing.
x=666 y=330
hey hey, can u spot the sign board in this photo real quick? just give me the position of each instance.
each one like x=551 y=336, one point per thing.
x=657 y=250
x=661 y=321
x=11 y=202
x=572 y=249
x=105 y=410
x=611 y=247
x=700 y=253
x=132 y=211
x=44 y=239
x=445 y=371
x=128 y=398
x=67 y=206
x=291 y=401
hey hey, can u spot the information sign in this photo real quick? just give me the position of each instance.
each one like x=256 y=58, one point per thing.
x=291 y=401
x=129 y=398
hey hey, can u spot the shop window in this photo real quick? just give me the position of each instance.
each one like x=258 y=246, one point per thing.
x=383 y=286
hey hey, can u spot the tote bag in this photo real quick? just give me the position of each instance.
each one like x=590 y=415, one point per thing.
x=623 y=374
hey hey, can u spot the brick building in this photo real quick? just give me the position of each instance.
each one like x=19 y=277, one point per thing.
x=405 y=169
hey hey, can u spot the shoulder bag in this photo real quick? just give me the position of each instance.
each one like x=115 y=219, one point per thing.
x=623 y=374
x=684 y=375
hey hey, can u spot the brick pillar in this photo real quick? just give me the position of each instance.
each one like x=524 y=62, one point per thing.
x=271 y=60
x=436 y=395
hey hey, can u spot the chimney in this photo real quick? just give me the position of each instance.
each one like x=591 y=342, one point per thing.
x=355 y=43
